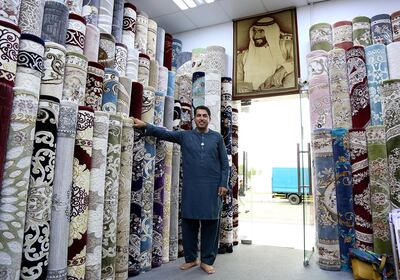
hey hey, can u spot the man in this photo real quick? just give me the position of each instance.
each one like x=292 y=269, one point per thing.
x=206 y=171
x=268 y=61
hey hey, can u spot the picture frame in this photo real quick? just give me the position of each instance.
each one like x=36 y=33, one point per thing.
x=265 y=55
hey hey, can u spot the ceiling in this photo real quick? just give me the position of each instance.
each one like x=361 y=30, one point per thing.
x=167 y=14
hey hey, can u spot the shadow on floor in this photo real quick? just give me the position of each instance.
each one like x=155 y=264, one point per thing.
x=250 y=262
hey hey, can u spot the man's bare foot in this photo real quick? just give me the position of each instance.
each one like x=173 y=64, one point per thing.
x=207 y=268
x=189 y=265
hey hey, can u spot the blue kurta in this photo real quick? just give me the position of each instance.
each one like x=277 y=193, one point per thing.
x=205 y=169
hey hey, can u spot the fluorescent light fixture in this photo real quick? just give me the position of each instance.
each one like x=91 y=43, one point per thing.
x=190 y=3
x=181 y=4
x=209 y=1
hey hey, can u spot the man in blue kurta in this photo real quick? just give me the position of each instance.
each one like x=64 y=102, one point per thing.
x=205 y=180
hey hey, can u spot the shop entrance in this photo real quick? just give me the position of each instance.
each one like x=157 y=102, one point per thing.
x=273 y=152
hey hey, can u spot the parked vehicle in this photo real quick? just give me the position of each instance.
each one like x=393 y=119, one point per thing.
x=285 y=182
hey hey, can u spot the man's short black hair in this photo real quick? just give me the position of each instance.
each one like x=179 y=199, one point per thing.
x=202 y=107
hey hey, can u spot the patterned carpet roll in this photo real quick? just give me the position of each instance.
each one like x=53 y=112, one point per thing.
x=10 y=10
x=171 y=84
x=117 y=22
x=154 y=74
x=226 y=222
x=377 y=70
x=362 y=31
x=55 y=22
x=176 y=50
x=185 y=98
x=124 y=202
x=60 y=213
x=136 y=200
x=121 y=58
x=75 y=41
x=31 y=16
x=38 y=211
x=325 y=201
x=6 y=101
x=381 y=29
x=213 y=98
x=74 y=6
x=380 y=189
x=136 y=100
x=79 y=210
x=168 y=51
x=358 y=87
x=342 y=34
x=54 y=66
x=30 y=63
x=146 y=239
x=176 y=165
x=110 y=93
x=160 y=45
x=151 y=39
x=9 y=56
x=92 y=43
x=321 y=37
x=361 y=190
x=395 y=18
x=142 y=22
x=124 y=96
x=96 y=196
x=215 y=59
x=198 y=60
x=106 y=16
x=168 y=123
x=90 y=11
x=162 y=85
x=144 y=69
x=393 y=54
x=16 y=176
x=182 y=58
x=391 y=98
x=235 y=173
x=94 y=85
x=320 y=100
x=159 y=183
x=344 y=194
x=132 y=65
x=198 y=89
x=107 y=50
x=37 y=224
x=338 y=84
x=75 y=78
x=109 y=252
x=128 y=25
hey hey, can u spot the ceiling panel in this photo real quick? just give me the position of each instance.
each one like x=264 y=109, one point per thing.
x=239 y=8
x=154 y=8
x=175 y=23
x=273 y=5
x=207 y=15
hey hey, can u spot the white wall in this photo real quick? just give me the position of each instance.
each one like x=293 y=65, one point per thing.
x=331 y=11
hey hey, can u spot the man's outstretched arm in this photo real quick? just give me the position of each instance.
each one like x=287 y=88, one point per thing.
x=159 y=132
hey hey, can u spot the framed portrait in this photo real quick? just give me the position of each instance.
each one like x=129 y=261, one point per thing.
x=265 y=58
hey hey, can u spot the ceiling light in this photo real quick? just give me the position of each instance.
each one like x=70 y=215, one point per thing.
x=190 y=3
x=181 y=4
x=209 y=1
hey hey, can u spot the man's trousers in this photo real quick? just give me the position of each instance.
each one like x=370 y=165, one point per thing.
x=208 y=240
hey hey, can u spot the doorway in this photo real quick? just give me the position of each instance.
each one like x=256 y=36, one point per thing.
x=273 y=137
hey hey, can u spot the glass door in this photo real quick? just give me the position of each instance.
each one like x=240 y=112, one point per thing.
x=304 y=167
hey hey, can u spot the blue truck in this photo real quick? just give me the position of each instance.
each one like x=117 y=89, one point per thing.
x=285 y=182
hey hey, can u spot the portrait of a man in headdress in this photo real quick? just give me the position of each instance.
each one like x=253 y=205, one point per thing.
x=267 y=63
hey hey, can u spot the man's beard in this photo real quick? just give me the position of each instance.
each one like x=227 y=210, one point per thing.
x=260 y=42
